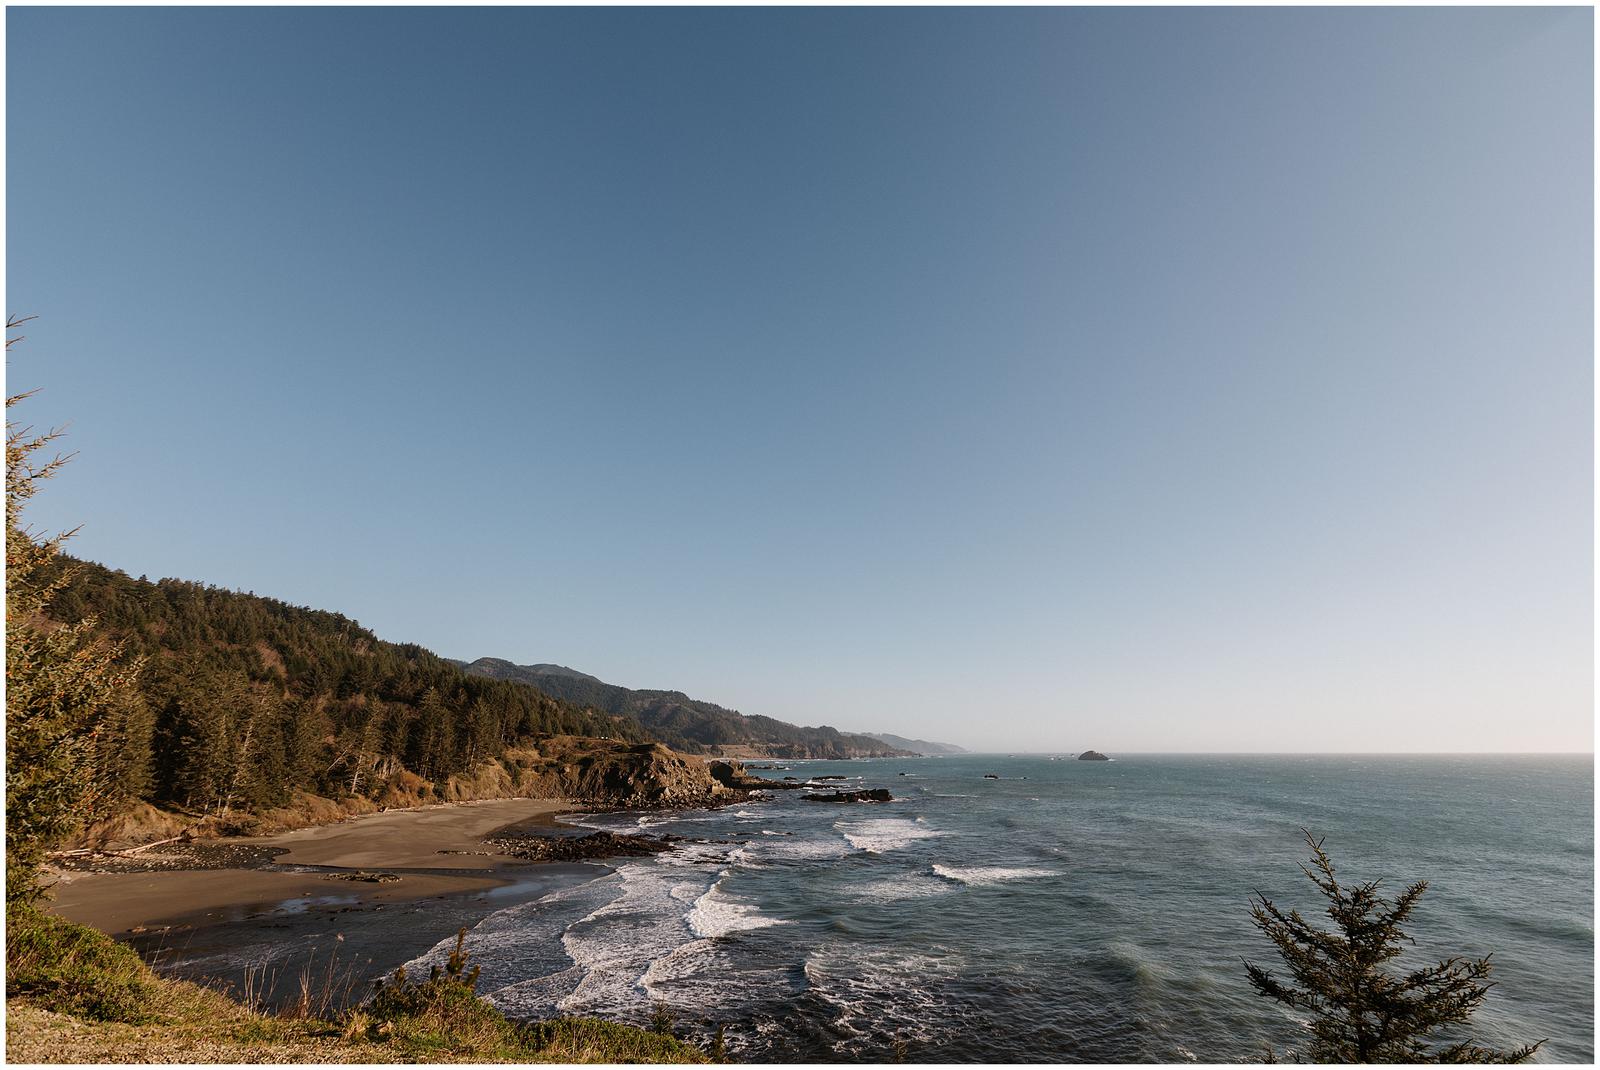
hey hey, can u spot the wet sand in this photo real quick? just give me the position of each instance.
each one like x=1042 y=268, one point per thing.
x=411 y=839
x=345 y=935
x=118 y=903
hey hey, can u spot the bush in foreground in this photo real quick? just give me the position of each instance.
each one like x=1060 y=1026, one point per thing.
x=1359 y=1011
x=76 y=970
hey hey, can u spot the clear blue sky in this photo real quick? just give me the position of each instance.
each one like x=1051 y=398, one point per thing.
x=1137 y=379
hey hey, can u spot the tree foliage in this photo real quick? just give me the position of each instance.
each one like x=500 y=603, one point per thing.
x=251 y=699
x=1360 y=1011
x=70 y=703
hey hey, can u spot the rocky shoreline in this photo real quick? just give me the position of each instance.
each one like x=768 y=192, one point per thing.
x=544 y=847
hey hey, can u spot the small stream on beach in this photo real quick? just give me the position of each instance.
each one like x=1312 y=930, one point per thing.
x=1066 y=911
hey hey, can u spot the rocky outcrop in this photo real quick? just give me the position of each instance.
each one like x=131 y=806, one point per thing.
x=864 y=795
x=547 y=848
x=604 y=772
x=729 y=774
x=1092 y=756
x=732 y=774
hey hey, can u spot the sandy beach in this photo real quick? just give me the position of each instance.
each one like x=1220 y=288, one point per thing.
x=216 y=923
x=396 y=840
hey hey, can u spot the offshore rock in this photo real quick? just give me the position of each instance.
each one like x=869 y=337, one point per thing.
x=1092 y=756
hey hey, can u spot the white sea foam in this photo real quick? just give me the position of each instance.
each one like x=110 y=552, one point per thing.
x=616 y=943
x=882 y=993
x=898 y=889
x=795 y=849
x=537 y=997
x=884 y=834
x=670 y=976
x=985 y=875
x=716 y=913
x=501 y=946
x=650 y=930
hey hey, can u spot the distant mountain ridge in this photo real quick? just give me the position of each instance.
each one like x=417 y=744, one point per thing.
x=924 y=747
x=561 y=670
x=688 y=724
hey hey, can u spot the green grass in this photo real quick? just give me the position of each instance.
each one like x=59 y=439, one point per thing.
x=590 y=1040
x=76 y=995
x=72 y=969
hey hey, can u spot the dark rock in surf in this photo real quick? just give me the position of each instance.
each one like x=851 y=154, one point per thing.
x=866 y=795
x=1092 y=756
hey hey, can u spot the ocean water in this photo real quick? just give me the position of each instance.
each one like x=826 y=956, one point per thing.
x=1067 y=911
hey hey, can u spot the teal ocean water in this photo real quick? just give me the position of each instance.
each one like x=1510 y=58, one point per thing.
x=1066 y=911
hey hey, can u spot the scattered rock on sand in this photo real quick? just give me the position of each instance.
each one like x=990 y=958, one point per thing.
x=363 y=875
x=577 y=848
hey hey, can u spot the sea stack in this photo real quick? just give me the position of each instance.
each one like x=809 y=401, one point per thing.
x=1092 y=756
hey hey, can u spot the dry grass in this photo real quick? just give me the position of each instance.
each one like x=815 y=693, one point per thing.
x=140 y=823
x=489 y=780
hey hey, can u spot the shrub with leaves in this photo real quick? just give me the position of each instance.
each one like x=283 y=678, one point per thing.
x=69 y=695
x=443 y=1012
x=73 y=969
x=1360 y=1012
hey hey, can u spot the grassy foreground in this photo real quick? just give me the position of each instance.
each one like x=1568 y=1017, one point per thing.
x=73 y=994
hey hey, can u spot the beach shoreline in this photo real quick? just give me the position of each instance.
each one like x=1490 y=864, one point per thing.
x=258 y=925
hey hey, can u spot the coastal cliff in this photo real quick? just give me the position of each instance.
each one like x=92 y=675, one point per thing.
x=605 y=773
x=585 y=770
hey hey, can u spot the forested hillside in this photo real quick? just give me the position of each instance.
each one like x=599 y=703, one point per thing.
x=685 y=723
x=243 y=700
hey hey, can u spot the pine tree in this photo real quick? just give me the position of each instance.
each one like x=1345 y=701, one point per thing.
x=1359 y=1011
x=67 y=692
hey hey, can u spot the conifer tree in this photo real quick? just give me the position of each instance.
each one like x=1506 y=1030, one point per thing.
x=67 y=691
x=1359 y=1011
